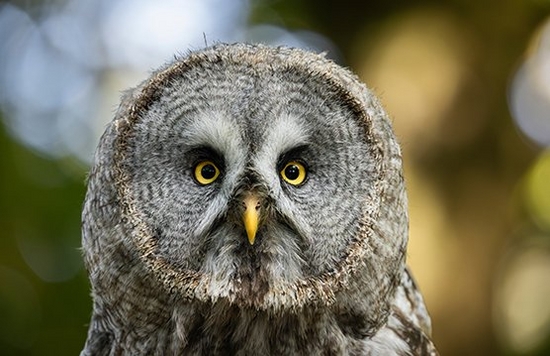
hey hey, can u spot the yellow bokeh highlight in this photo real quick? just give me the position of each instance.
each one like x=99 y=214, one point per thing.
x=537 y=195
x=522 y=310
x=417 y=63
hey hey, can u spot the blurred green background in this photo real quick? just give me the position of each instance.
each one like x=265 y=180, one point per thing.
x=466 y=82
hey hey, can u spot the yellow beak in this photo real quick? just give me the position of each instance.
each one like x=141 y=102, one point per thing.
x=251 y=216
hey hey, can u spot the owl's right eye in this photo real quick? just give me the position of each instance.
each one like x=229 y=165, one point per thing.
x=206 y=172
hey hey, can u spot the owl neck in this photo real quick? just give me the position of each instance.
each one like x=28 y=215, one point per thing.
x=215 y=329
x=133 y=316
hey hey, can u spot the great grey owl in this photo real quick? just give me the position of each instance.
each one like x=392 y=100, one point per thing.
x=249 y=200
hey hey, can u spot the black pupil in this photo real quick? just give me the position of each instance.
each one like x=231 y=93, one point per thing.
x=208 y=171
x=292 y=172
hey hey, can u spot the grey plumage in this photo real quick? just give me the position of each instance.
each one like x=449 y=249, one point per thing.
x=171 y=267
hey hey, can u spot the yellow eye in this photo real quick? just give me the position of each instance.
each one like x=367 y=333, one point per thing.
x=206 y=172
x=294 y=173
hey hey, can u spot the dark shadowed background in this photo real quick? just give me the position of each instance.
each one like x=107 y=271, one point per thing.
x=466 y=82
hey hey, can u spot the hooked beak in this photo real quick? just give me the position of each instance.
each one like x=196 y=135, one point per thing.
x=251 y=216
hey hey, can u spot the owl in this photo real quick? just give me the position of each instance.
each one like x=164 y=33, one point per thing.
x=249 y=200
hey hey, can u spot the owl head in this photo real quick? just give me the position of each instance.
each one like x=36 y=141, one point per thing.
x=265 y=178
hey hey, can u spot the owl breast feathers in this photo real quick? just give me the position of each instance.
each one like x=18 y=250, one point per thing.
x=250 y=200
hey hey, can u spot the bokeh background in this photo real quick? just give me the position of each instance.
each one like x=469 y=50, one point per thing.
x=467 y=84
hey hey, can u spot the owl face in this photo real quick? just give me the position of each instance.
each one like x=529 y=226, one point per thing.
x=248 y=181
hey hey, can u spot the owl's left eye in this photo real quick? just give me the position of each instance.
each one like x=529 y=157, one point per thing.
x=206 y=172
x=294 y=173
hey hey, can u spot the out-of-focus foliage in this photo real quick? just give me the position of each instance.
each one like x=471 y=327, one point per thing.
x=467 y=84
x=44 y=302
